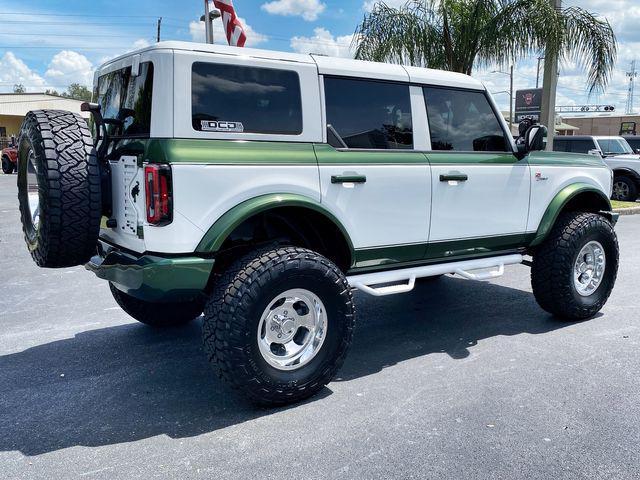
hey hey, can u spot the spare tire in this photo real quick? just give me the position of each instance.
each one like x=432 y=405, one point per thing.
x=58 y=188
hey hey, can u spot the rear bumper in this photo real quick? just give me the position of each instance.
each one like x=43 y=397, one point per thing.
x=151 y=277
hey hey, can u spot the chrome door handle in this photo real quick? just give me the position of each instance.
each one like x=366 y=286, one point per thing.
x=355 y=178
x=454 y=177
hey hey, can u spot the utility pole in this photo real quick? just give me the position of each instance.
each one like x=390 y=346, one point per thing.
x=549 y=88
x=538 y=72
x=159 y=25
x=630 y=93
x=510 y=98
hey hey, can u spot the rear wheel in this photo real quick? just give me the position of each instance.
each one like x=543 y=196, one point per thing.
x=7 y=165
x=278 y=324
x=624 y=189
x=156 y=314
x=58 y=188
x=574 y=270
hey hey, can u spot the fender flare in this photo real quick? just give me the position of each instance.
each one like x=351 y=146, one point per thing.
x=628 y=172
x=559 y=202
x=226 y=224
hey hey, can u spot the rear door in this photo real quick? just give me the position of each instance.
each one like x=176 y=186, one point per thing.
x=370 y=175
x=480 y=189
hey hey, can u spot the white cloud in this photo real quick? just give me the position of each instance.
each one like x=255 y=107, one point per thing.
x=307 y=9
x=68 y=67
x=14 y=71
x=323 y=42
x=369 y=4
x=196 y=29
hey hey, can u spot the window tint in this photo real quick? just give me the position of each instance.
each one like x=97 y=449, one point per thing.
x=463 y=121
x=559 y=145
x=231 y=98
x=127 y=98
x=633 y=142
x=369 y=114
x=580 y=146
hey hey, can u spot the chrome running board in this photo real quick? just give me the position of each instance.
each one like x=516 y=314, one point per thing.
x=365 y=281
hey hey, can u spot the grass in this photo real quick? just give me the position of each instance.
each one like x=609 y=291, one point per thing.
x=618 y=204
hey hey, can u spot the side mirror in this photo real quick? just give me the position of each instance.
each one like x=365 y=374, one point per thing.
x=534 y=138
x=595 y=152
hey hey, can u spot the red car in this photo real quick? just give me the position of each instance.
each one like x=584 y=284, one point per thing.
x=9 y=159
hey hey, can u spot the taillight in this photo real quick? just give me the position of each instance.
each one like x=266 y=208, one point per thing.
x=157 y=184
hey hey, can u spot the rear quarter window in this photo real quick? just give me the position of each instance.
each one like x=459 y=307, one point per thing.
x=240 y=99
x=580 y=146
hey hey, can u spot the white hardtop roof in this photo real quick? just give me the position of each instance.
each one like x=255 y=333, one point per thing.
x=327 y=65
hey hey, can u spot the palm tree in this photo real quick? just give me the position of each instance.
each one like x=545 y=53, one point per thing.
x=460 y=35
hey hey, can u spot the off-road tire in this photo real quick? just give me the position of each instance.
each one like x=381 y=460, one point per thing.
x=234 y=308
x=631 y=185
x=554 y=260
x=68 y=179
x=7 y=165
x=158 y=314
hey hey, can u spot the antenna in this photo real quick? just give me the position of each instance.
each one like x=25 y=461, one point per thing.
x=633 y=74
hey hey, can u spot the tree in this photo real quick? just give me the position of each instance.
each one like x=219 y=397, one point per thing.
x=460 y=35
x=19 y=88
x=75 y=91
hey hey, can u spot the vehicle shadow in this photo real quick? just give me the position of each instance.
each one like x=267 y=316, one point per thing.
x=131 y=382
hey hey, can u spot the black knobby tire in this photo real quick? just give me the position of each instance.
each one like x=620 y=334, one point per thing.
x=7 y=165
x=553 y=264
x=158 y=314
x=631 y=188
x=232 y=316
x=68 y=182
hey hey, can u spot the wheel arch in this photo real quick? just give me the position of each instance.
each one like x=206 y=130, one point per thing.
x=574 y=197
x=282 y=204
x=627 y=172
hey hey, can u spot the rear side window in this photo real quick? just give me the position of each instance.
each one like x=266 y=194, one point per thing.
x=369 y=114
x=559 y=145
x=463 y=121
x=634 y=142
x=231 y=98
x=580 y=146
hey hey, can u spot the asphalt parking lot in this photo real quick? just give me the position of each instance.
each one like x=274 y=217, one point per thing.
x=456 y=379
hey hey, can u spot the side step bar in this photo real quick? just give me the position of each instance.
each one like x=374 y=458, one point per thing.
x=365 y=281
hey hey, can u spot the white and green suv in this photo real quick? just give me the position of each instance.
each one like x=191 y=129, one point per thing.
x=261 y=188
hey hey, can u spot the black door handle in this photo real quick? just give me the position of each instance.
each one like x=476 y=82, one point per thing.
x=348 y=178
x=454 y=177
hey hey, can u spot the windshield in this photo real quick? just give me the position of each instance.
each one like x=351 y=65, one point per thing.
x=127 y=99
x=614 y=146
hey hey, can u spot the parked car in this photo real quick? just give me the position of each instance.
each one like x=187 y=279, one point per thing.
x=633 y=141
x=9 y=159
x=616 y=152
x=260 y=188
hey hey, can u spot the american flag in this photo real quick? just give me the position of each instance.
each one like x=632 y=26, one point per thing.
x=232 y=26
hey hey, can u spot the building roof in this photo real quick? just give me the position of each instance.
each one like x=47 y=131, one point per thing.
x=19 y=104
x=326 y=65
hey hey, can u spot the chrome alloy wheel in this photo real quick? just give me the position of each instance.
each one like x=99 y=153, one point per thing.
x=589 y=267
x=292 y=329
x=620 y=191
x=32 y=189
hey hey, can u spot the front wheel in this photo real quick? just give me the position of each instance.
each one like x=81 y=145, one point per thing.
x=7 y=166
x=278 y=324
x=624 y=189
x=574 y=270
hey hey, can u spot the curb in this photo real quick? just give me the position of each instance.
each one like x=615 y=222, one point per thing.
x=627 y=211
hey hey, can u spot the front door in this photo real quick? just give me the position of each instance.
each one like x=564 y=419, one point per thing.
x=370 y=176
x=480 y=189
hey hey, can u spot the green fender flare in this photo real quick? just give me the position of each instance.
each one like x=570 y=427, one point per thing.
x=222 y=228
x=558 y=203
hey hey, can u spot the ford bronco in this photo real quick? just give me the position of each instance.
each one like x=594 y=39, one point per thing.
x=259 y=189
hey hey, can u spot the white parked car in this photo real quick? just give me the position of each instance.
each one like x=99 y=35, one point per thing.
x=260 y=188
x=617 y=153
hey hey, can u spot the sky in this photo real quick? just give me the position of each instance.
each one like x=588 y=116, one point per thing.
x=50 y=44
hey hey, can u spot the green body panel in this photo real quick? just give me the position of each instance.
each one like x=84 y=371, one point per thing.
x=151 y=277
x=328 y=155
x=471 y=158
x=565 y=159
x=222 y=228
x=229 y=152
x=558 y=203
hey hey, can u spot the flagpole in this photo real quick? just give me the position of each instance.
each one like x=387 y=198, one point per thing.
x=208 y=27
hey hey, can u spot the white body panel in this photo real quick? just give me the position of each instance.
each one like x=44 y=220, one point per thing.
x=493 y=201
x=391 y=208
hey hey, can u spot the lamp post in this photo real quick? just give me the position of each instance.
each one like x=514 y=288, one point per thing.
x=208 y=18
x=510 y=93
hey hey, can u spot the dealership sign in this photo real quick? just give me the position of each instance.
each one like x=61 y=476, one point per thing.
x=528 y=104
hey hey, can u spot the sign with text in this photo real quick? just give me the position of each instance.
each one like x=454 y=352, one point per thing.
x=528 y=104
